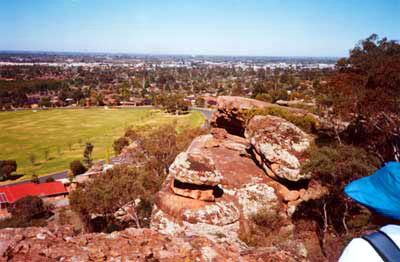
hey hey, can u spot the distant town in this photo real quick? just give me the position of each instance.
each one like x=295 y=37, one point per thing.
x=58 y=79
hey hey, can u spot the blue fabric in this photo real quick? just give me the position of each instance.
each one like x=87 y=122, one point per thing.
x=380 y=191
x=384 y=246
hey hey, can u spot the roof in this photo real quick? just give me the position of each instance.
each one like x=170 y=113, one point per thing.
x=10 y=194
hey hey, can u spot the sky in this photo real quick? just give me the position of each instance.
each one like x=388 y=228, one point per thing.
x=197 y=27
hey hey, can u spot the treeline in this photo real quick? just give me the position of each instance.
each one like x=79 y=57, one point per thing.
x=15 y=93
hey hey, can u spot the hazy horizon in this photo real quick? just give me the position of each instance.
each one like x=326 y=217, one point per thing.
x=205 y=28
x=154 y=54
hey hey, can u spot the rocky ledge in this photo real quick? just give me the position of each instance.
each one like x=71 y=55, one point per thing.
x=141 y=245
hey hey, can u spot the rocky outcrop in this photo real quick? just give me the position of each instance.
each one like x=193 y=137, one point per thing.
x=236 y=171
x=211 y=186
x=229 y=114
x=142 y=245
x=279 y=145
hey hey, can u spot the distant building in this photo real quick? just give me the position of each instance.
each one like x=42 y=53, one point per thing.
x=10 y=194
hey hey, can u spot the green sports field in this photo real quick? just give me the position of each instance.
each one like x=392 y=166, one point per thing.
x=62 y=133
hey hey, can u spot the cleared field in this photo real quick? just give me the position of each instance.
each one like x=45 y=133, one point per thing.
x=63 y=133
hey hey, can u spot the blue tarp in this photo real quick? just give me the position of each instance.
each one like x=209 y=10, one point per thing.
x=380 y=192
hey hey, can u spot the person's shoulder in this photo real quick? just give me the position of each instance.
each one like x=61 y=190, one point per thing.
x=359 y=250
x=393 y=231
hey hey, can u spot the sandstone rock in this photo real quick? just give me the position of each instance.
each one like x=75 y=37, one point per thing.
x=314 y=191
x=280 y=145
x=239 y=189
x=201 y=193
x=195 y=169
x=302 y=192
x=229 y=113
x=292 y=195
x=288 y=195
x=142 y=245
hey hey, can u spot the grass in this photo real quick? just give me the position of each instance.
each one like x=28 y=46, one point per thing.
x=63 y=134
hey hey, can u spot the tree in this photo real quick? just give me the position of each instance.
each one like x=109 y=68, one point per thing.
x=32 y=158
x=173 y=103
x=125 y=92
x=49 y=179
x=35 y=179
x=105 y=194
x=29 y=207
x=87 y=154
x=237 y=90
x=119 y=144
x=45 y=102
x=200 y=102
x=6 y=168
x=366 y=92
x=46 y=154
x=77 y=168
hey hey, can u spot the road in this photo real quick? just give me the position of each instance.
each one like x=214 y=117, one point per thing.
x=42 y=179
x=206 y=112
x=64 y=174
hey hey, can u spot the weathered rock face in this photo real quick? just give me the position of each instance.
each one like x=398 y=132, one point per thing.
x=279 y=145
x=211 y=187
x=229 y=113
x=225 y=177
x=142 y=245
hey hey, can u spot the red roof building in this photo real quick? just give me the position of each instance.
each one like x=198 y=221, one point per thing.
x=10 y=194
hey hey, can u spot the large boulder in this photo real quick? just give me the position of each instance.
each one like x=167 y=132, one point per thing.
x=211 y=187
x=229 y=113
x=279 y=146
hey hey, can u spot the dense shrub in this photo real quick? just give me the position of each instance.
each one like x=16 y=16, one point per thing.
x=264 y=97
x=77 y=167
x=29 y=207
x=6 y=168
x=278 y=94
x=262 y=229
x=338 y=217
x=200 y=102
x=306 y=122
x=131 y=134
x=27 y=212
x=336 y=165
x=119 y=144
